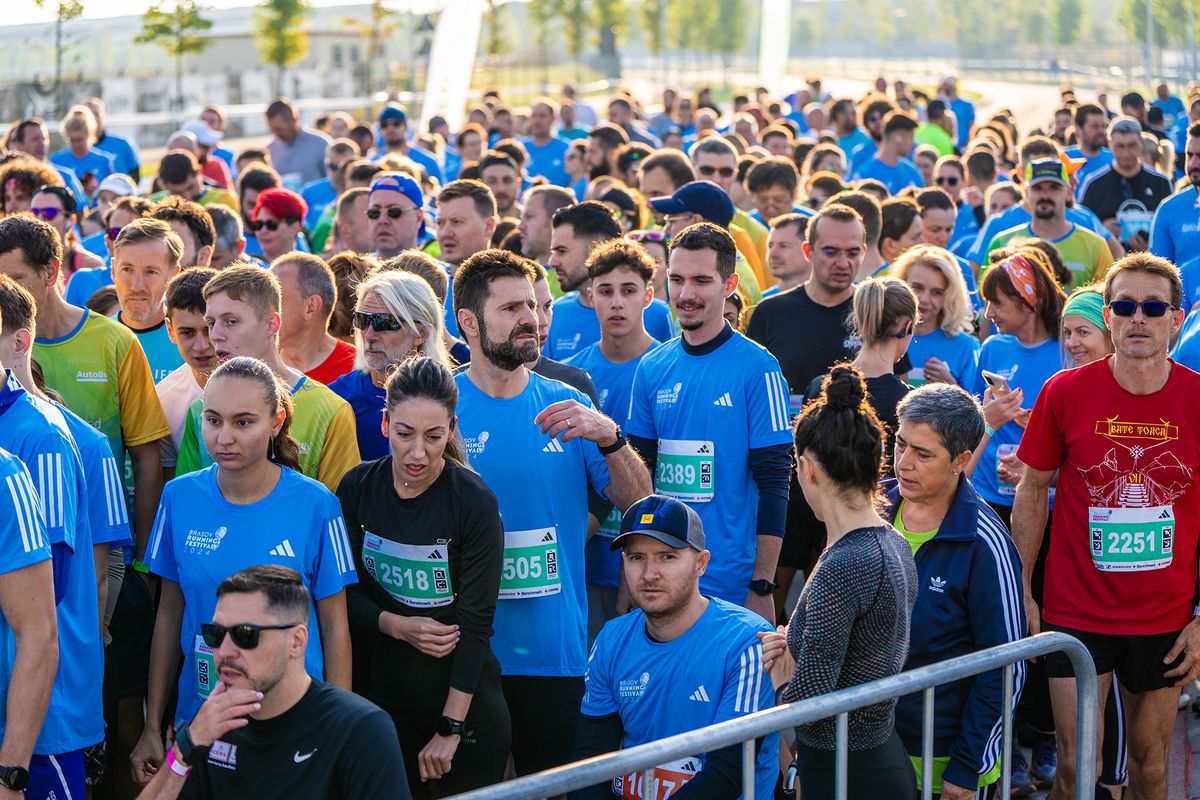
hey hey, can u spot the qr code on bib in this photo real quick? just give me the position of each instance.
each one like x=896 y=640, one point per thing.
x=552 y=564
x=439 y=580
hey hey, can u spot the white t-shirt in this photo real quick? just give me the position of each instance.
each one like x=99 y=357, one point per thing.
x=176 y=393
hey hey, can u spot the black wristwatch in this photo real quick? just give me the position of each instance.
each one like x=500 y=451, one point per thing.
x=615 y=446
x=447 y=726
x=14 y=778
x=192 y=754
x=763 y=587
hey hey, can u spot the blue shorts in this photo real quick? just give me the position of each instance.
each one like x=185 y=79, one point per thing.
x=59 y=777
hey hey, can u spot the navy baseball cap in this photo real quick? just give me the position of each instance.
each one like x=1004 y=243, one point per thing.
x=393 y=111
x=669 y=521
x=405 y=185
x=698 y=197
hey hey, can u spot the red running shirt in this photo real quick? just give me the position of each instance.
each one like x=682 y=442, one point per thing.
x=1122 y=557
x=339 y=362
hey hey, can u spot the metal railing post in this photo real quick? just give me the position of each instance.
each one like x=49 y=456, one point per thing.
x=927 y=744
x=1086 y=710
x=842 y=753
x=748 y=765
x=1006 y=734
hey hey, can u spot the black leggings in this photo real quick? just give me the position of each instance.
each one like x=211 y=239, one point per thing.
x=883 y=771
x=545 y=719
x=413 y=692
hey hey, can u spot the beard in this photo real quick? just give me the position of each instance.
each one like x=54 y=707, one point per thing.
x=508 y=355
x=598 y=172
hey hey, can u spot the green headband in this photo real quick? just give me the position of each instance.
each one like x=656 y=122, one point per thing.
x=1088 y=304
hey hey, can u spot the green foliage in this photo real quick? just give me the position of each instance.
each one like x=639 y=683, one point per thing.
x=574 y=14
x=379 y=25
x=654 y=13
x=64 y=10
x=175 y=26
x=1067 y=20
x=542 y=14
x=495 y=38
x=609 y=18
x=279 y=31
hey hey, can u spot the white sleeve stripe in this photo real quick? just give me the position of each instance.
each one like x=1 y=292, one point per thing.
x=1011 y=591
x=117 y=513
x=157 y=534
x=35 y=515
x=778 y=401
x=737 y=701
x=758 y=671
x=338 y=555
x=21 y=505
x=108 y=493
x=344 y=538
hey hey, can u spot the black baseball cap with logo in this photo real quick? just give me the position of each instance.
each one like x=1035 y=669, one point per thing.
x=669 y=521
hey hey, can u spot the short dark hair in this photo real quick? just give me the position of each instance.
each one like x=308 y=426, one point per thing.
x=473 y=279
x=494 y=158
x=620 y=253
x=17 y=306
x=281 y=106
x=609 y=135
x=313 y=277
x=934 y=199
x=551 y=197
x=177 y=166
x=707 y=236
x=192 y=215
x=981 y=164
x=137 y=206
x=773 y=171
x=1086 y=110
x=870 y=212
x=836 y=211
x=35 y=239
x=259 y=177
x=630 y=154
x=589 y=219
x=792 y=220
x=347 y=198
x=897 y=215
x=185 y=292
x=478 y=191
x=677 y=166
x=283 y=587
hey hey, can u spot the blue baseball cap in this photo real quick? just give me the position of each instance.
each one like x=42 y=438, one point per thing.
x=698 y=197
x=405 y=185
x=669 y=521
x=393 y=111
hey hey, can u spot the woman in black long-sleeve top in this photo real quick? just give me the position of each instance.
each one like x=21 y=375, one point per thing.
x=427 y=541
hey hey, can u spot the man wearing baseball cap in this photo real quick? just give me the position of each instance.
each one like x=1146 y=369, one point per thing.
x=704 y=201
x=393 y=132
x=395 y=214
x=1048 y=188
x=679 y=662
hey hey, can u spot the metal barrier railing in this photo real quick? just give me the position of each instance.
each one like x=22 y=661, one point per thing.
x=744 y=730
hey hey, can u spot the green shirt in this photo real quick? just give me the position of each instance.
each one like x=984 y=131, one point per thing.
x=915 y=540
x=1085 y=253
x=935 y=135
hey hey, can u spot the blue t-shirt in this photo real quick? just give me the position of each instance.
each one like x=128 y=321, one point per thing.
x=419 y=156
x=1025 y=368
x=1175 y=229
x=965 y=225
x=71 y=180
x=368 y=401
x=575 y=326
x=1187 y=347
x=960 y=352
x=95 y=244
x=580 y=188
x=1016 y=216
x=548 y=160
x=541 y=486
x=448 y=307
x=613 y=384
x=85 y=282
x=707 y=412
x=896 y=178
x=964 y=117
x=200 y=538
x=1094 y=164
x=1172 y=109
x=161 y=353
x=123 y=151
x=857 y=142
x=712 y=673
x=318 y=195
x=23 y=543
x=93 y=166
x=107 y=513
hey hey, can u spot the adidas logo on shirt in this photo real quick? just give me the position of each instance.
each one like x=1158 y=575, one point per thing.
x=284 y=549
x=937 y=584
x=700 y=695
x=554 y=446
x=725 y=401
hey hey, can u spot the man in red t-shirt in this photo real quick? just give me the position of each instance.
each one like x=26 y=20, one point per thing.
x=309 y=297
x=1123 y=436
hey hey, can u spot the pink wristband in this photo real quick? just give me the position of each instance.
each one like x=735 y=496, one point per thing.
x=178 y=767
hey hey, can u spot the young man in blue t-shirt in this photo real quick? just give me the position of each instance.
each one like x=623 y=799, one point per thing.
x=539 y=445
x=890 y=165
x=680 y=662
x=547 y=152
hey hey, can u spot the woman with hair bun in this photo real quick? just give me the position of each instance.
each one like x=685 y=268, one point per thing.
x=852 y=623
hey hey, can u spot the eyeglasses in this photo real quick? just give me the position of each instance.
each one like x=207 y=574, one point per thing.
x=377 y=322
x=333 y=166
x=904 y=334
x=113 y=233
x=948 y=181
x=393 y=212
x=724 y=172
x=244 y=636
x=270 y=224
x=1151 y=308
x=47 y=214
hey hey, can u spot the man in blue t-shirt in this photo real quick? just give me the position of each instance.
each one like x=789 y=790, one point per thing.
x=547 y=152
x=890 y=165
x=539 y=445
x=1091 y=129
x=680 y=662
x=576 y=231
x=146 y=256
x=964 y=110
x=123 y=151
x=1171 y=105
x=709 y=414
x=1175 y=229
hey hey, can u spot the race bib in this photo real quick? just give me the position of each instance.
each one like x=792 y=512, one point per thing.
x=611 y=527
x=1131 y=539
x=1134 y=221
x=530 y=566
x=916 y=377
x=667 y=780
x=685 y=470
x=1002 y=486
x=415 y=575
x=206 y=669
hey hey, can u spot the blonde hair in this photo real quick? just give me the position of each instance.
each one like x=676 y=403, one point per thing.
x=80 y=118
x=879 y=303
x=957 y=315
x=410 y=298
x=252 y=285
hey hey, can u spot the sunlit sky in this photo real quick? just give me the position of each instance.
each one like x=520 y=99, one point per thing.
x=21 y=12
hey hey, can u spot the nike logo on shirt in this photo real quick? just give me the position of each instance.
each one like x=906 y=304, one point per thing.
x=299 y=758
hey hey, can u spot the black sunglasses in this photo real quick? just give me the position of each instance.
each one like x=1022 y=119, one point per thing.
x=947 y=181
x=724 y=172
x=377 y=322
x=270 y=224
x=908 y=329
x=393 y=212
x=1151 y=308
x=244 y=636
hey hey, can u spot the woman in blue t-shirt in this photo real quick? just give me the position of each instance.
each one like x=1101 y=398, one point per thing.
x=250 y=507
x=944 y=348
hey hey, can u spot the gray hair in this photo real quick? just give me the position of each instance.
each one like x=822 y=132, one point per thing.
x=955 y=416
x=1124 y=125
x=411 y=299
x=228 y=225
x=714 y=145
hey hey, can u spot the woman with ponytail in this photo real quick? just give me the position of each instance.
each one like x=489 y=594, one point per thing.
x=250 y=507
x=851 y=625
x=428 y=542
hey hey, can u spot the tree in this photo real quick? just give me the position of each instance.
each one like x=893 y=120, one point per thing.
x=609 y=18
x=177 y=27
x=654 y=18
x=495 y=42
x=280 y=35
x=542 y=14
x=1067 y=20
x=728 y=34
x=575 y=16
x=64 y=12
x=379 y=25
x=1167 y=15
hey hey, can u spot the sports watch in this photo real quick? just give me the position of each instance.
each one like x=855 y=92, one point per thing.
x=763 y=587
x=447 y=726
x=14 y=778
x=615 y=446
x=192 y=754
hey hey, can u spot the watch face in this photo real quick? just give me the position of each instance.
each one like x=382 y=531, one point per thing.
x=17 y=778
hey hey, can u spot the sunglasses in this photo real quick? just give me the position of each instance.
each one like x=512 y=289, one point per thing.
x=908 y=329
x=270 y=224
x=724 y=172
x=649 y=236
x=47 y=214
x=947 y=181
x=1151 y=308
x=113 y=233
x=244 y=636
x=393 y=212
x=378 y=322
x=391 y=123
x=333 y=166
